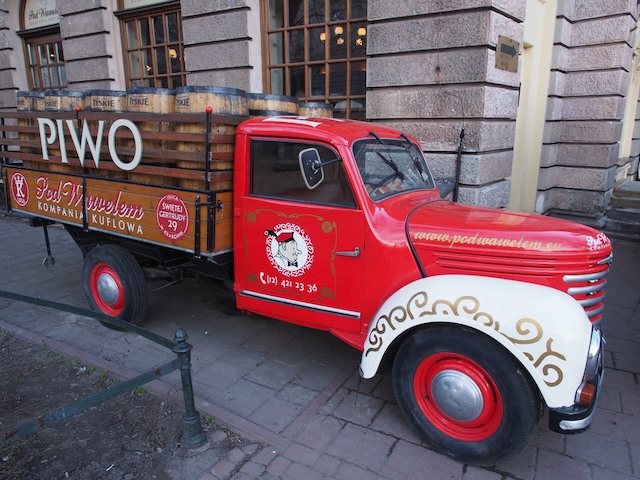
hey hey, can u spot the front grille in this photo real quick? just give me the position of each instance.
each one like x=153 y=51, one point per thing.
x=588 y=289
x=580 y=275
x=526 y=268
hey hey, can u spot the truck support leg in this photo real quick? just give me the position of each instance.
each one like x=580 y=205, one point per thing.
x=49 y=261
x=41 y=222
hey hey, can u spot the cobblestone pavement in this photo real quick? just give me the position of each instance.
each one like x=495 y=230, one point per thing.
x=295 y=391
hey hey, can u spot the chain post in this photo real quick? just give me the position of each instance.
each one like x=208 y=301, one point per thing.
x=192 y=436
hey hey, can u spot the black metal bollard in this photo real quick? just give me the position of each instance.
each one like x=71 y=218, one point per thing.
x=192 y=436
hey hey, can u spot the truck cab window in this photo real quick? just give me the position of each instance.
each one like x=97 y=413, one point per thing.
x=275 y=173
x=391 y=166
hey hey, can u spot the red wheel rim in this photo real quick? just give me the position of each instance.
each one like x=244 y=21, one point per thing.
x=486 y=398
x=107 y=289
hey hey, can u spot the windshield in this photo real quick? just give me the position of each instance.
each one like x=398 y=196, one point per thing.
x=391 y=166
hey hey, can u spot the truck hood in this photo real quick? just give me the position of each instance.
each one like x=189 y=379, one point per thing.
x=447 y=225
x=449 y=238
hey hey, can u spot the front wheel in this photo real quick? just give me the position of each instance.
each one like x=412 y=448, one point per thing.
x=114 y=284
x=465 y=394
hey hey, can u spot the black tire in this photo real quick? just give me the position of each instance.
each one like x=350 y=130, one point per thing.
x=465 y=395
x=114 y=284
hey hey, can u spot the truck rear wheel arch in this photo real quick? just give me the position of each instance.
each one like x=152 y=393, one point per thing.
x=114 y=283
x=494 y=417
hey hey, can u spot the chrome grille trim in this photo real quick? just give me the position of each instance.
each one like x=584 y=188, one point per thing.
x=592 y=287
x=596 y=287
x=593 y=313
x=587 y=277
x=609 y=259
x=590 y=302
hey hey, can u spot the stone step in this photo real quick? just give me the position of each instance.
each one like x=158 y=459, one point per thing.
x=624 y=230
x=622 y=223
x=626 y=196
x=629 y=215
x=628 y=190
x=625 y=202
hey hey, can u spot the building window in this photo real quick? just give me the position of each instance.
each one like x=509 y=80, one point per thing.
x=45 y=62
x=317 y=52
x=44 y=58
x=153 y=49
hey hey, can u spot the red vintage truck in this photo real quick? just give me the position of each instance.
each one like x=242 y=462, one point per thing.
x=483 y=316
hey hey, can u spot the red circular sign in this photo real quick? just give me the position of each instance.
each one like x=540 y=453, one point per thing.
x=20 y=189
x=172 y=217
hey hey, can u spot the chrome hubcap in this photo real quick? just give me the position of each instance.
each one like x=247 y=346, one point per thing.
x=457 y=395
x=107 y=289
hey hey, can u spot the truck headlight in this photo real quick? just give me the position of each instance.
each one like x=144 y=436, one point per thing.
x=593 y=356
x=586 y=394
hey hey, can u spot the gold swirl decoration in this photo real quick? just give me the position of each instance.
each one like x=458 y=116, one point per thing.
x=528 y=330
x=523 y=330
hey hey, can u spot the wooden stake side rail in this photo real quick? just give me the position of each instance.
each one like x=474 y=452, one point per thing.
x=133 y=116
x=179 y=194
x=177 y=140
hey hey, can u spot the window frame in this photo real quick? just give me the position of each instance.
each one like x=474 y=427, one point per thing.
x=156 y=80
x=347 y=101
x=279 y=167
x=32 y=38
x=58 y=66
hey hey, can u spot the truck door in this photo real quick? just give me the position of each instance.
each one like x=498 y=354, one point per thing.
x=299 y=249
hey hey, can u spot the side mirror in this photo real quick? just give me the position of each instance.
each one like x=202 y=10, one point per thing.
x=311 y=167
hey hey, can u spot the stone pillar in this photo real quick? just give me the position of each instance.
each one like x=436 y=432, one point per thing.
x=12 y=65
x=218 y=47
x=7 y=68
x=431 y=72
x=589 y=79
x=88 y=32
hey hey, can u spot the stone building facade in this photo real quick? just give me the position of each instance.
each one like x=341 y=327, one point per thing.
x=554 y=136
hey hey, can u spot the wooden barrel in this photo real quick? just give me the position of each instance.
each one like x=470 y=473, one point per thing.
x=62 y=100
x=27 y=101
x=152 y=100
x=106 y=100
x=222 y=101
x=268 y=105
x=315 y=109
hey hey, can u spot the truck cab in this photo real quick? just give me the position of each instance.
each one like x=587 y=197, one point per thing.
x=315 y=251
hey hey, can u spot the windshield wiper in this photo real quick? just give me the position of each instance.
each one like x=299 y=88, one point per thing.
x=416 y=162
x=386 y=160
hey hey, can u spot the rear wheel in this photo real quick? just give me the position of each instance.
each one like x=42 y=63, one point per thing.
x=114 y=284
x=465 y=394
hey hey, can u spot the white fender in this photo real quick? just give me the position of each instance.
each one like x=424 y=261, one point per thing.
x=545 y=329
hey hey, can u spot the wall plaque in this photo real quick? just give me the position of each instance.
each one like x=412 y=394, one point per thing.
x=507 y=51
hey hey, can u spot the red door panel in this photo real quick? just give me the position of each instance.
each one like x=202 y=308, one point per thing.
x=301 y=262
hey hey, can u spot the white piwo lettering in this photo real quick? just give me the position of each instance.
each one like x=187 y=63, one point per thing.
x=137 y=156
x=56 y=131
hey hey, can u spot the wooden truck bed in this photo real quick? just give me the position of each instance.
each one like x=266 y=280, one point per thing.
x=174 y=197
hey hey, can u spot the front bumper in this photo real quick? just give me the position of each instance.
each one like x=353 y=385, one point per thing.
x=577 y=418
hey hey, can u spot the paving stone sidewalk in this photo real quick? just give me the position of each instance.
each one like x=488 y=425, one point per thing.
x=295 y=391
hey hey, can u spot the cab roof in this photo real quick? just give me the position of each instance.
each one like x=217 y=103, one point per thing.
x=330 y=130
